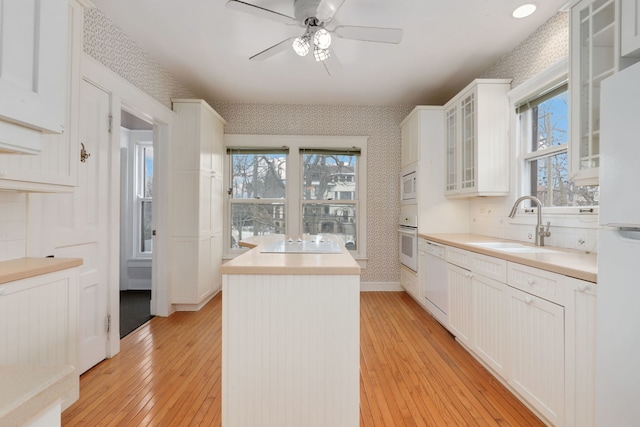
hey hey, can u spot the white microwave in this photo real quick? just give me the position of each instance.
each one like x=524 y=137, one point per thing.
x=408 y=184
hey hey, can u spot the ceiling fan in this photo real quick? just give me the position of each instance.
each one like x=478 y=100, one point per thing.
x=313 y=16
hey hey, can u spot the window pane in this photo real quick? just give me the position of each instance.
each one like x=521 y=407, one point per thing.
x=337 y=219
x=551 y=184
x=145 y=229
x=550 y=123
x=253 y=219
x=329 y=177
x=148 y=172
x=260 y=176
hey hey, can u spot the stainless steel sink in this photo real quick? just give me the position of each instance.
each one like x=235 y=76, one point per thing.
x=512 y=247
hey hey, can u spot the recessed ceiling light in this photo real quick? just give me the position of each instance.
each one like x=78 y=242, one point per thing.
x=524 y=10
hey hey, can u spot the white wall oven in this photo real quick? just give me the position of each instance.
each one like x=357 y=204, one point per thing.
x=408 y=184
x=408 y=231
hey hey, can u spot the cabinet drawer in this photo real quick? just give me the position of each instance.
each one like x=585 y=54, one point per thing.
x=459 y=257
x=541 y=283
x=410 y=283
x=491 y=267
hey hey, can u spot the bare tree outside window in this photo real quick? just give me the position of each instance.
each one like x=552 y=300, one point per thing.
x=258 y=188
x=545 y=123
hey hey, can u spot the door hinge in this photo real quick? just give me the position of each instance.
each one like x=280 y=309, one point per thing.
x=108 y=323
x=110 y=123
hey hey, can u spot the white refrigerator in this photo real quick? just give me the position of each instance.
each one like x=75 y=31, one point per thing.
x=618 y=314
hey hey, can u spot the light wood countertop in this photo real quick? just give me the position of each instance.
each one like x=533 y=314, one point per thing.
x=23 y=268
x=256 y=262
x=580 y=265
x=25 y=390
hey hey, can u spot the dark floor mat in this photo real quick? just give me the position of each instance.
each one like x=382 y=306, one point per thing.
x=134 y=310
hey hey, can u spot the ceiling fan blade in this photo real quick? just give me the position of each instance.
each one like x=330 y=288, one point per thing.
x=332 y=64
x=261 y=12
x=369 y=34
x=273 y=50
x=327 y=9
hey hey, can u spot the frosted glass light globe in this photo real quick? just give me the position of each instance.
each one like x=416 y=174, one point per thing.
x=322 y=39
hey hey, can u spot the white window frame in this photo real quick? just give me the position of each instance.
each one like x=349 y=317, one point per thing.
x=552 y=76
x=138 y=173
x=293 y=200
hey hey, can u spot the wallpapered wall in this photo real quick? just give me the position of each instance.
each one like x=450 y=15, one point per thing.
x=106 y=42
x=381 y=124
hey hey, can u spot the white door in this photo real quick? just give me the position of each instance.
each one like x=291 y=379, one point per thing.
x=76 y=225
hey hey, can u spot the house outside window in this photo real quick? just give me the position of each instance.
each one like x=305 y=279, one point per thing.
x=543 y=122
x=296 y=186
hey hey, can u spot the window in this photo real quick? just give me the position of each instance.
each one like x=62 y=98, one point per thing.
x=258 y=192
x=544 y=123
x=312 y=185
x=144 y=197
x=329 y=193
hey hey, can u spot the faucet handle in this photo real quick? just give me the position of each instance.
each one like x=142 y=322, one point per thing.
x=546 y=231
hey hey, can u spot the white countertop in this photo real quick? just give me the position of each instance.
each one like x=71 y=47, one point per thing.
x=25 y=390
x=257 y=262
x=568 y=262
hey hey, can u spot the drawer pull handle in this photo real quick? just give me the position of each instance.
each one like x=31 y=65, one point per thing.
x=582 y=287
x=531 y=281
x=528 y=300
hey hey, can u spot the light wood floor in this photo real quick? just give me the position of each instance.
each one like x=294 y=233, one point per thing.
x=413 y=373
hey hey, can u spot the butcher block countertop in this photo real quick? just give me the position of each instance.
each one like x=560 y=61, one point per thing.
x=23 y=268
x=568 y=262
x=25 y=390
x=257 y=262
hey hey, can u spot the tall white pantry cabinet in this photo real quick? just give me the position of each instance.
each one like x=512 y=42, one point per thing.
x=197 y=152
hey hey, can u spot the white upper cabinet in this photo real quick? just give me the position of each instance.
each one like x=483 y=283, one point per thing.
x=595 y=55
x=55 y=167
x=33 y=69
x=630 y=28
x=410 y=128
x=476 y=140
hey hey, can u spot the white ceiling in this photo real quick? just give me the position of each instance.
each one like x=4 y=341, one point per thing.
x=446 y=44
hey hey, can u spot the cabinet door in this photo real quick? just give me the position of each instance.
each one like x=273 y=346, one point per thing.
x=468 y=143
x=630 y=28
x=451 y=152
x=490 y=339
x=537 y=361
x=460 y=303
x=593 y=58
x=34 y=63
x=580 y=348
x=55 y=167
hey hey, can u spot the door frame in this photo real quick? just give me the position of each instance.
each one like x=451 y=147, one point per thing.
x=125 y=95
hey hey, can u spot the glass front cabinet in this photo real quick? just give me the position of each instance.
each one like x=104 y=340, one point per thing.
x=476 y=140
x=595 y=55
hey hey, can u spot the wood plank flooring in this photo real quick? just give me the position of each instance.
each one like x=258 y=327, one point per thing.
x=413 y=373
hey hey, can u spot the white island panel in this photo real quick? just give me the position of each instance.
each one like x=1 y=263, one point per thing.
x=290 y=350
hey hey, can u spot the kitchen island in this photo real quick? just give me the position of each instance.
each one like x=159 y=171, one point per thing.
x=290 y=337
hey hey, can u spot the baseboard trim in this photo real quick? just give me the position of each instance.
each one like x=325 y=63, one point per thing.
x=380 y=287
x=198 y=306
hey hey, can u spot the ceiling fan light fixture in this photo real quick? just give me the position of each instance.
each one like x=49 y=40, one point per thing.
x=322 y=38
x=301 y=45
x=320 y=54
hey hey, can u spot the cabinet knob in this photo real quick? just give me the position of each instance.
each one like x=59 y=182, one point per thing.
x=531 y=281
x=3 y=172
x=582 y=287
x=528 y=300
x=3 y=290
x=469 y=274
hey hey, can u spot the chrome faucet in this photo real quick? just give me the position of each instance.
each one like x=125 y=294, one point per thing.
x=541 y=233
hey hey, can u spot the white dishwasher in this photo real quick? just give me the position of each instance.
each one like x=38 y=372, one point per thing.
x=433 y=275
